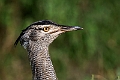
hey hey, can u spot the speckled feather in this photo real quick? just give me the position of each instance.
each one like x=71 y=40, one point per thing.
x=37 y=47
x=36 y=41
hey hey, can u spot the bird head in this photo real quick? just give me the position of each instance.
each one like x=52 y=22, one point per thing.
x=43 y=32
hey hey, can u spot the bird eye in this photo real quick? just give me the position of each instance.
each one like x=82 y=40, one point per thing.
x=46 y=29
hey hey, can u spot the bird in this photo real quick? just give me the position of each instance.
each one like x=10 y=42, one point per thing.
x=36 y=39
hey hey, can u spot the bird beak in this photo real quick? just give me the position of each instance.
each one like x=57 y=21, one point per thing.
x=63 y=29
x=70 y=28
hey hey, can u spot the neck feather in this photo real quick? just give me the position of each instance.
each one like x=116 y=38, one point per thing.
x=41 y=64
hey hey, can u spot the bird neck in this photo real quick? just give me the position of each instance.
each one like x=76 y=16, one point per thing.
x=41 y=64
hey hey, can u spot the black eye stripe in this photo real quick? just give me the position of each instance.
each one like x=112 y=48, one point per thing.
x=37 y=29
x=40 y=29
x=44 y=29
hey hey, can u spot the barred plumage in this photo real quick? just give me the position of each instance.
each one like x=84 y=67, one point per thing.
x=36 y=39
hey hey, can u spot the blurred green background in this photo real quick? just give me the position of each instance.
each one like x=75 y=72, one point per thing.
x=75 y=55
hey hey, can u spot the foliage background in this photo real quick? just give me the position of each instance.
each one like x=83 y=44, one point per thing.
x=76 y=55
